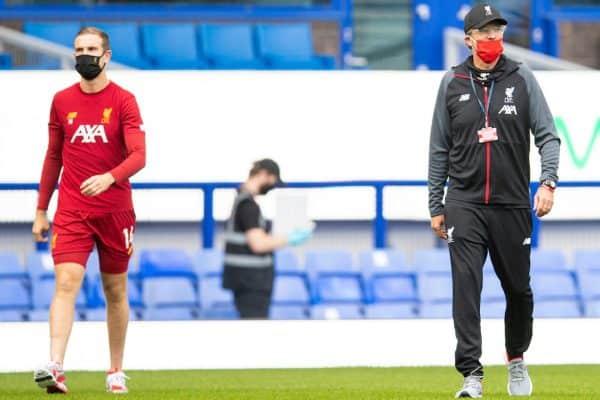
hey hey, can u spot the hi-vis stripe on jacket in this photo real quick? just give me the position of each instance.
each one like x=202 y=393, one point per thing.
x=237 y=251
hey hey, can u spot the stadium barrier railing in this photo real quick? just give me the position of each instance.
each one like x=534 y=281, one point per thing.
x=208 y=222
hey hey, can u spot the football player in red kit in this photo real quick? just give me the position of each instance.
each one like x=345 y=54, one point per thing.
x=96 y=137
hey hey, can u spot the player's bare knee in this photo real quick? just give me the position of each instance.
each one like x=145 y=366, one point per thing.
x=67 y=286
x=115 y=292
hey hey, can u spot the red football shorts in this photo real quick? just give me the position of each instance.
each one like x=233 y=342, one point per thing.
x=74 y=234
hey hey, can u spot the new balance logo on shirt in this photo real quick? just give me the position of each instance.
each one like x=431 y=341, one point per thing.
x=88 y=133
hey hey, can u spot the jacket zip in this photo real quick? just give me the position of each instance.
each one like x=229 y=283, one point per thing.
x=488 y=149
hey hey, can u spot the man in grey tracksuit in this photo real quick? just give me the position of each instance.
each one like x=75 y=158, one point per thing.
x=480 y=140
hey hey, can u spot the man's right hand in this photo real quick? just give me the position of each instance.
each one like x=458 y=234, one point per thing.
x=41 y=226
x=439 y=226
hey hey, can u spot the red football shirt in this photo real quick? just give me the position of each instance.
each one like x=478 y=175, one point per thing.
x=91 y=134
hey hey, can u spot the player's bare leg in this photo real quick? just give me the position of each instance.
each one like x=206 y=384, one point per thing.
x=117 y=317
x=69 y=277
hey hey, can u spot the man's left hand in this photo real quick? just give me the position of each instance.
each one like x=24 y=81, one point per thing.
x=543 y=201
x=96 y=184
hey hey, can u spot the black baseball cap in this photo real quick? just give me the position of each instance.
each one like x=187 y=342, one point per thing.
x=481 y=15
x=271 y=167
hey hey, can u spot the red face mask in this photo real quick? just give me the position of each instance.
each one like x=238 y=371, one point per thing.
x=489 y=50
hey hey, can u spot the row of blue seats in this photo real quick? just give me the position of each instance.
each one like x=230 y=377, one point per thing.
x=399 y=310
x=166 y=278
x=189 y=46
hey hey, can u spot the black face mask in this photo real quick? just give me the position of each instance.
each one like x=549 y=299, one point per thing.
x=264 y=189
x=88 y=66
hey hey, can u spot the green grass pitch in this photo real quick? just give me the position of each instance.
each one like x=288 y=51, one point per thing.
x=549 y=382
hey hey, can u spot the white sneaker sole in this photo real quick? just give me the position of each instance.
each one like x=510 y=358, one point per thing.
x=466 y=395
x=44 y=378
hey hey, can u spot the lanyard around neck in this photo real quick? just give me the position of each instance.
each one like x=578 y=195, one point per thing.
x=485 y=109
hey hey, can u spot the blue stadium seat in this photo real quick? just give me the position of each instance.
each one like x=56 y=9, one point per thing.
x=493 y=303
x=99 y=314
x=10 y=267
x=436 y=310
x=92 y=269
x=40 y=315
x=96 y=296
x=166 y=263
x=290 y=290
x=208 y=262
x=566 y=308
x=125 y=43
x=434 y=282
x=435 y=294
x=432 y=260
x=286 y=261
x=43 y=315
x=13 y=295
x=161 y=292
x=62 y=33
x=288 y=312
x=171 y=46
x=435 y=286
x=216 y=302
x=39 y=265
x=336 y=311
x=548 y=260
x=592 y=308
x=587 y=265
x=290 y=46
x=42 y=291
x=383 y=260
x=333 y=277
x=554 y=287
x=587 y=260
x=493 y=309
x=391 y=310
x=291 y=285
x=492 y=289
x=388 y=277
x=394 y=287
x=169 y=314
x=330 y=261
x=12 y=316
x=229 y=46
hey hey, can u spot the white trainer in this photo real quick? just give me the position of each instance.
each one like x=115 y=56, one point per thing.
x=519 y=382
x=115 y=382
x=472 y=387
x=51 y=377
